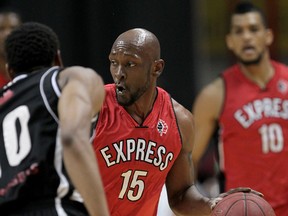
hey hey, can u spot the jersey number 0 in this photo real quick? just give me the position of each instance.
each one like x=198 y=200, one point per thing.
x=17 y=148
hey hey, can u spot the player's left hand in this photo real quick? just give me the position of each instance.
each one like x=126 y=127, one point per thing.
x=213 y=201
x=241 y=189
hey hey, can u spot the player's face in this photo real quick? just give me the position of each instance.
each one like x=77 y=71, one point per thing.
x=7 y=23
x=130 y=69
x=248 y=37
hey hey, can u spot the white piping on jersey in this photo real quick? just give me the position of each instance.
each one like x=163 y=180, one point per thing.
x=43 y=93
x=94 y=131
x=59 y=208
x=63 y=187
x=94 y=119
x=55 y=84
x=221 y=151
x=19 y=77
x=76 y=196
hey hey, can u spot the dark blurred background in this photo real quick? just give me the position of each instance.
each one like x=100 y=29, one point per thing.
x=191 y=33
x=88 y=28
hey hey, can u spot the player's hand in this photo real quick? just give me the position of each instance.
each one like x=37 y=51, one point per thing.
x=241 y=189
x=213 y=201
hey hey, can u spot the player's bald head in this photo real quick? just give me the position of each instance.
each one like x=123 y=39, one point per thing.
x=142 y=40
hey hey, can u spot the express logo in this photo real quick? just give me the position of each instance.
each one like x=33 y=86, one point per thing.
x=162 y=127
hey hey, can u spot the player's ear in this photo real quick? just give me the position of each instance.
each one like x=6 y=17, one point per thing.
x=9 y=71
x=158 y=67
x=269 y=37
x=229 y=42
x=58 y=59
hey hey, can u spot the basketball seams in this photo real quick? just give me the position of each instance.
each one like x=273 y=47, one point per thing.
x=233 y=205
x=259 y=202
x=243 y=204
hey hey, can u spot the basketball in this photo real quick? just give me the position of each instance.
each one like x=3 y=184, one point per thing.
x=243 y=204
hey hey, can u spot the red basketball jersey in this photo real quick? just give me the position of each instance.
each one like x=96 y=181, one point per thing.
x=253 y=145
x=134 y=159
x=3 y=80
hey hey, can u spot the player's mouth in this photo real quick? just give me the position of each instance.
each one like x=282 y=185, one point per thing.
x=248 y=49
x=120 y=90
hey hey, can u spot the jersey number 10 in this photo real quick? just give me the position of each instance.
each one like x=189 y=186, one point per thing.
x=272 y=138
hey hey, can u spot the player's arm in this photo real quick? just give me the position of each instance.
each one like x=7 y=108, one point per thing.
x=206 y=110
x=82 y=97
x=183 y=196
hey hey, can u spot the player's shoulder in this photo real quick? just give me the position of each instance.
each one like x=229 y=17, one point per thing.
x=181 y=112
x=79 y=72
x=83 y=74
x=280 y=67
x=185 y=120
x=279 y=64
x=209 y=101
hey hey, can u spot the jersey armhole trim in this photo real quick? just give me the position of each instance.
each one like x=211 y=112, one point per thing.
x=48 y=107
x=55 y=85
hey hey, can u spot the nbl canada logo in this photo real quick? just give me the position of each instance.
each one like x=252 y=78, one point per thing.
x=162 y=127
x=282 y=86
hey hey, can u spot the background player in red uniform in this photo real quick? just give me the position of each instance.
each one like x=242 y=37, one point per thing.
x=45 y=115
x=249 y=104
x=8 y=21
x=144 y=138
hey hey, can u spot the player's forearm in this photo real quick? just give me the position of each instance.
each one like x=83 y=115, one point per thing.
x=82 y=168
x=192 y=203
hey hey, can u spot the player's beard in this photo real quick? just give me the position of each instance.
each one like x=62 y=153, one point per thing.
x=134 y=96
x=255 y=61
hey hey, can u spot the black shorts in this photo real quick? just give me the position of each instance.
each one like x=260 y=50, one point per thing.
x=44 y=208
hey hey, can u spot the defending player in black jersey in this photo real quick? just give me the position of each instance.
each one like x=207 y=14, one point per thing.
x=45 y=115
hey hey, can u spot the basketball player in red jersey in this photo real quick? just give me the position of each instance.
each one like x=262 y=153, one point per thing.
x=9 y=20
x=143 y=137
x=249 y=102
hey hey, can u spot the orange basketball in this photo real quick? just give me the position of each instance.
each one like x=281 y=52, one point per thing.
x=243 y=204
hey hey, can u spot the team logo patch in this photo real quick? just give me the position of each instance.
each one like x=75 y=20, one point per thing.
x=282 y=86
x=162 y=127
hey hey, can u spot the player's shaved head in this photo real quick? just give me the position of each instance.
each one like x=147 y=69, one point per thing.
x=141 y=39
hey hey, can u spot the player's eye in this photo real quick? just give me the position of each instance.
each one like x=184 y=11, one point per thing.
x=254 y=29
x=130 y=64
x=238 y=31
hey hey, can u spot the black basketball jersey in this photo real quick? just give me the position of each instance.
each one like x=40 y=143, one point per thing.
x=32 y=171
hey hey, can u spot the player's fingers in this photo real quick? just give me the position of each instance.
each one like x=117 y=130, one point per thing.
x=244 y=190
x=214 y=201
x=240 y=189
x=257 y=193
x=235 y=190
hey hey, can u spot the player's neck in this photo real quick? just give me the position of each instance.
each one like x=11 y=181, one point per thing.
x=260 y=73
x=142 y=107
